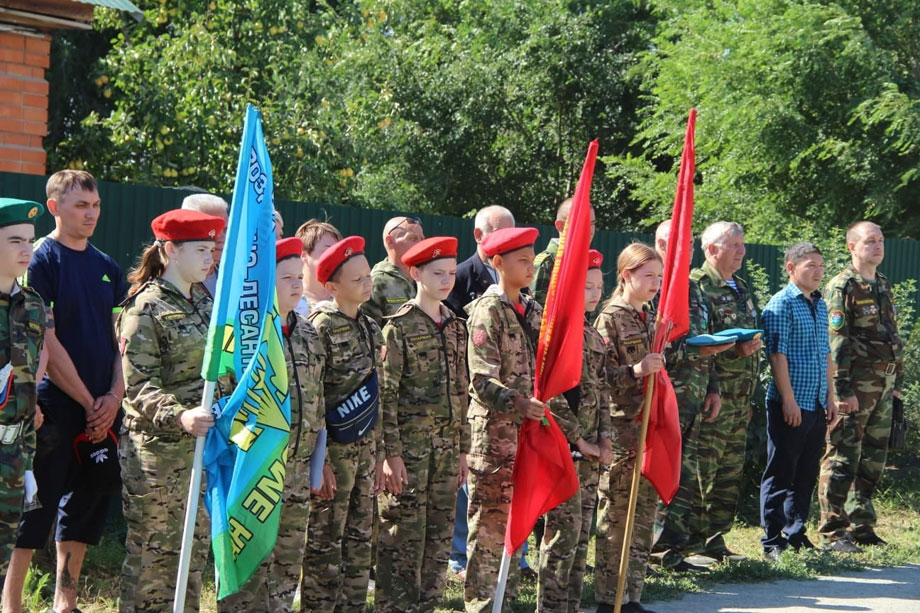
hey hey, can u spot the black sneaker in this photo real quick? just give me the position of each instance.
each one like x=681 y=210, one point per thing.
x=686 y=567
x=842 y=545
x=634 y=607
x=802 y=543
x=726 y=554
x=870 y=539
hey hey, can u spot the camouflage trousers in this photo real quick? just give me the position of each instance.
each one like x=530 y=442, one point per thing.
x=564 y=550
x=155 y=479
x=336 y=566
x=490 y=488
x=613 y=493
x=271 y=588
x=12 y=490
x=856 y=452
x=678 y=525
x=416 y=527
x=721 y=465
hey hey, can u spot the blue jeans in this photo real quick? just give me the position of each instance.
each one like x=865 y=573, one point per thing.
x=461 y=530
x=793 y=463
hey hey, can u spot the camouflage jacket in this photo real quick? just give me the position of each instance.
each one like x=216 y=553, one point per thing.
x=730 y=309
x=863 y=326
x=22 y=335
x=162 y=337
x=543 y=265
x=306 y=359
x=628 y=338
x=353 y=347
x=501 y=356
x=391 y=290
x=425 y=381
x=591 y=421
x=691 y=373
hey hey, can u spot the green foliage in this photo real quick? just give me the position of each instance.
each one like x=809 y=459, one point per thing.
x=808 y=112
x=428 y=105
x=36 y=589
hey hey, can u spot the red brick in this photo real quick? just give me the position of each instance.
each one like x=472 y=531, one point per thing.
x=41 y=60
x=32 y=169
x=36 y=141
x=34 y=127
x=10 y=112
x=10 y=166
x=35 y=156
x=35 y=100
x=12 y=41
x=33 y=114
x=14 y=138
x=38 y=45
x=11 y=98
x=20 y=70
x=34 y=86
x=38 y=73
x=11 y=125
x=11 y=55
x=9 y=153
x=12 y=84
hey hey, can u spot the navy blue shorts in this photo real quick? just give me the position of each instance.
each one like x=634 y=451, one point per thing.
x=80 y=511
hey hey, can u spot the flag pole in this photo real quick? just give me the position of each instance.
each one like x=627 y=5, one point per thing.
x=636 y=477
x=191 y=506
x=502 y=581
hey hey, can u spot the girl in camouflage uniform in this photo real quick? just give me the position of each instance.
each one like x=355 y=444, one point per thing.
x=163 y=331
x=271 y=589
x=627 y=328
x=585 y=420
x=424 y=399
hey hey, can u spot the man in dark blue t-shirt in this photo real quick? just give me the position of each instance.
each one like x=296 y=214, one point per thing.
x=83 y=390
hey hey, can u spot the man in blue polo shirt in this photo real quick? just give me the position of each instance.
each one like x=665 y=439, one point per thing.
x=800 y=400
x=82 y=392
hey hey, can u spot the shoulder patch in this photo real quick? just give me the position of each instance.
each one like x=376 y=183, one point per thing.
x=480 y=337
x=835 y=319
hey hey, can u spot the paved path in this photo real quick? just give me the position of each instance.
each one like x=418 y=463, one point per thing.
x=885 y=590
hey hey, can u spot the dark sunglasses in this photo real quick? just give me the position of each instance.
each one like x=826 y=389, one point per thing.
x=415 y=221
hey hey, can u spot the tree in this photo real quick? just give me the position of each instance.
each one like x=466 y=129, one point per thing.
x=808 y=111
x=426 y=105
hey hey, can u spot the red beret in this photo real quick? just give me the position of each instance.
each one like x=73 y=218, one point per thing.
x=186 y=225
x=337 y=255
x=507 y=240
x=595 y=258
x=433 y=248
x=288 y=247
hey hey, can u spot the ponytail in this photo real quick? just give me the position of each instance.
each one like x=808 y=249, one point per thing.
x=151 y=266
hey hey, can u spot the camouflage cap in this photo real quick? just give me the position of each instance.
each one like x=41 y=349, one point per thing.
x=15 y=211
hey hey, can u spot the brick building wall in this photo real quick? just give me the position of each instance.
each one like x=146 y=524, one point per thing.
x=24 y=57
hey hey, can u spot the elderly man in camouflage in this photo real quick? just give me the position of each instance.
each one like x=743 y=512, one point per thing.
x=392 y=285
x=696 y=386
x=722 y=438
x=869 y=358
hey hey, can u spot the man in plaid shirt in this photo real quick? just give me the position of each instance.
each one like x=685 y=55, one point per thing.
x=800 y=400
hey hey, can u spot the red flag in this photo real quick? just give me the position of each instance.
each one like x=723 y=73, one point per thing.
x=661 y=462
x=544 y=475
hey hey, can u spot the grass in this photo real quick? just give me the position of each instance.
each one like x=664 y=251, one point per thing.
x=897 y=503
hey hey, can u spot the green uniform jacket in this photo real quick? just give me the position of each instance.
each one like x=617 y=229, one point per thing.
x=863 y=325
x=391 y=290
x=729 y=308
x=425 y=380
x=306 y=360
x=628 y=337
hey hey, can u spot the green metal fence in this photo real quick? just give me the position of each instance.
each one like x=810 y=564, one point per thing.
x=124 y=227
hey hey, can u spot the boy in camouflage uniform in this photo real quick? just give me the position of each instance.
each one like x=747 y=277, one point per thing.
x=392 y=285
x=336 y=567
x=696 y=387
x=723 y=436
x=163 y=332
x=585 y=421
x=22 y=331
x=503 y=326
x=271 y=588
x=627 y=327
x=868 y=355
x=425 y=394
